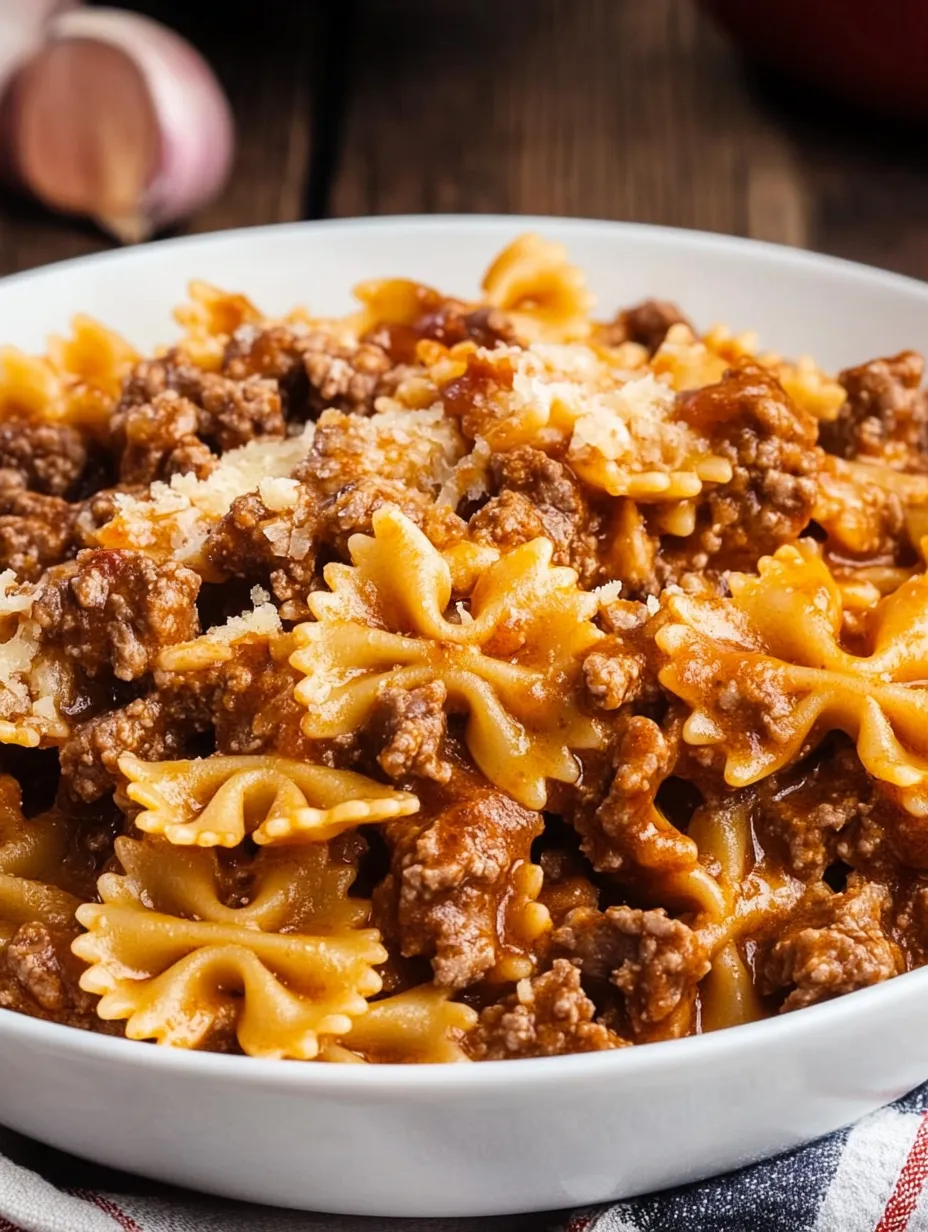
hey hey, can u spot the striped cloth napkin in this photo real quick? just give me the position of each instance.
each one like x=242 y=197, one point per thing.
x=869 y=1178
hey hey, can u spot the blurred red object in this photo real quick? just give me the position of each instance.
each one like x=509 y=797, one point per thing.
x=862 y=50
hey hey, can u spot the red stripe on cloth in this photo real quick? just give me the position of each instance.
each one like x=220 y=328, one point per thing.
x=109 y=1207
x=579 y=1223
x=909 y=1183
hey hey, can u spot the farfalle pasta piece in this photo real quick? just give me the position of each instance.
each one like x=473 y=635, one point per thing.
x=31 y=858
x=532 y=285
x=392 y=301
x=866 y=508
x=209 y=319
x=765 y=676
x=93 y=357
x=509 y=658
x=170 y=957
x=76 y=383
x=628 y=443
x=212 y=316
x=526 y=920
x=810 y=388
x=540 y=291
x=217 y=801
x=727 y=993
x=688 y=362
x=420 y=1026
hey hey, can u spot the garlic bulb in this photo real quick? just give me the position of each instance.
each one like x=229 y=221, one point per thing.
x=119 y=118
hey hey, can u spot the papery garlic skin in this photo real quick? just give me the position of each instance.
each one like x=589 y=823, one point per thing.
x=23 y=26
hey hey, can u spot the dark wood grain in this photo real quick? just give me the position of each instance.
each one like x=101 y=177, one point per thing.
x=630 y=109
x=617 y=109
x=599 y=107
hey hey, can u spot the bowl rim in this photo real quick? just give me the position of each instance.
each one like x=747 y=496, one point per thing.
x=535 y=1071
x=821 y=1020
x=490 y=224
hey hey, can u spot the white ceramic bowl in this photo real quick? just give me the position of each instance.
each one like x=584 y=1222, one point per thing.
x=505 y=1136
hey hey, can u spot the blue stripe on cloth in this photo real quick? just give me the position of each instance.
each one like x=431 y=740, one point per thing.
x=915 y=1101
x=779 y=1195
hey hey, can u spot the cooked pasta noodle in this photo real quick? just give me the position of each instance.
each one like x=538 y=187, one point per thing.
x=217 y=801
x=421 y=1025
x=177 y=963
x=777 y=641
x=509 y=659
x=31 y=855
x=463 y=678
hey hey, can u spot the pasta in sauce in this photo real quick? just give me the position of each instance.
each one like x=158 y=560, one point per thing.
x=457 y=680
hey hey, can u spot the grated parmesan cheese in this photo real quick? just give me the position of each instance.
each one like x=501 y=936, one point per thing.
x=470 y=478
x=215 y=645
x=177 y=517
x=263 y=621
x=15 y=598
x=418 y=447
x=240 y=471
x=608 y=593
x=633 y=425
x=279 y=494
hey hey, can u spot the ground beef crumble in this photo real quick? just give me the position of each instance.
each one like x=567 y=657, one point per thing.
x=654 y=960
x=450 y=885
x=168 y=402
x=834 y=944
x=884 y=416
x=547 y=1016
x=148 y=727
x=539 y=496
x=801 y=812
x=48 y=458
x=314 y=369
x=770 y=443
x=647 y=323
x=159 y=439
x=347 y=378
x=247 y=702
x=35 y=530
x=625 y=834
x=408 y=727
x=115 y=610
x=39 y=977
x=275 y=549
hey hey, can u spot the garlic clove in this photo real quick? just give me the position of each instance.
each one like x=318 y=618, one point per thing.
x=120 y=119
x=22 y=30
x=83 y=128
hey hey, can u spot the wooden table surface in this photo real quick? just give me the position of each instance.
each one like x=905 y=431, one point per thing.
x=628 y=109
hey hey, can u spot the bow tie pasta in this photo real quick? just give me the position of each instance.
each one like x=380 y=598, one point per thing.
x=510 y=659
x=766 y=676
x=168 y=955
x=464 y=678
